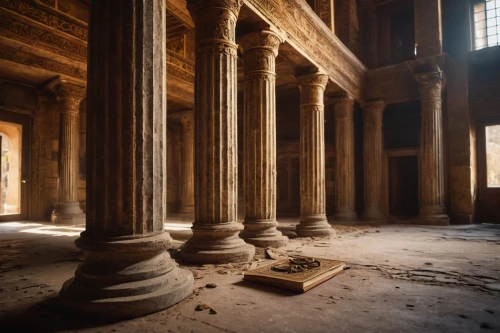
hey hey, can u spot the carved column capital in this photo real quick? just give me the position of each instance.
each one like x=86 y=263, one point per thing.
x=373 y=112
x=215 y=22
x=343 y=106
x=430 y=85
x=70 y=95
x=312 y=89
x=260 y=49
x=197 y=6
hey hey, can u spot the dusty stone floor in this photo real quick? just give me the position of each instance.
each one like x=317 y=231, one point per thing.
x=401 y=279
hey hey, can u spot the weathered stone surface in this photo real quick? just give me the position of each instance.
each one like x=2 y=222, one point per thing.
x=127 y=271
x=313 y=222
x=428 y=31
x=431 y=176
x=215 y=229
x=373 y=150
x=260 y=50
x=345 y=191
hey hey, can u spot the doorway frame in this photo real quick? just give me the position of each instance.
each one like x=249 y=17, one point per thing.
x=26 y=122
x=481 y=165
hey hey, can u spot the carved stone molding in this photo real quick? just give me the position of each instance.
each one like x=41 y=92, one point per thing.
x=195 y=6
x=15 y=28
x=41 y=14
x=70 y=96
x=306 y=32
x=430 y=85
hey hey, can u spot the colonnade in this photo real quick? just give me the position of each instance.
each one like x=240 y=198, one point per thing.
x=127 y=271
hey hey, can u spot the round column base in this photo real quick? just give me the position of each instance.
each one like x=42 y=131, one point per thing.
x=314 y=226
x=216 y=244
x=345 y=218
x=67 y=213
x=126 y=278
x=263 y=233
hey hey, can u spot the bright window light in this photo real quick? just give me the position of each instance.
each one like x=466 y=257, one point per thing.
x=486 y=24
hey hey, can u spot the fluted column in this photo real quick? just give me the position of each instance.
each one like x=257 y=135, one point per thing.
x=373 y=153
x=345 y=191
x=215 y=229
x=313 y=221
x=431 y=178
x=260 y=50
x=127 y=271
x=187 y=184
x=67 y=210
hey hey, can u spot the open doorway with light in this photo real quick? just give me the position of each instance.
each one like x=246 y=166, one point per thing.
x=488 y=171
x=14 y=166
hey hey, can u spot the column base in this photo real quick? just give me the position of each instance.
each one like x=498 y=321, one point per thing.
x=347 y=218
x=126 y=278
x=67 y=213
x=314 y=226
x=216 y=244
x=186 y=210
x=433 y=220
x=263 y=233
x=373 y=218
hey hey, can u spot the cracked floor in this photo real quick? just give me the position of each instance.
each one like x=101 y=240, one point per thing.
x=401 y=279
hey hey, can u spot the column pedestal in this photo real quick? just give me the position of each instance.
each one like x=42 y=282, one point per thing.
x=67 y=210
x=345 y=190
x=215 y=229
x=373 y=150
x=260 y=51
x=313 y=221
x=431 y=174
x=127 y=270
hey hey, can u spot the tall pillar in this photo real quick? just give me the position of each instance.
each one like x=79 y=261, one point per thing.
x=216 y=228
x=67 y=210
x=345 y=191
x=187 y=184
x=431 y=174
x=313 y=221
x=428 y=30
x=373 y=154
x=260 y=50
x=127 y=270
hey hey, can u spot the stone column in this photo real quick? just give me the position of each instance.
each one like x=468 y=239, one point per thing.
x=428 y=31
x=187 y=184
x=313 y=222
x=345 y=191
x=431 y=176
x=127 y=271
x=260 y=51
x=67 y=210
x=216 y=228
x=373 y=151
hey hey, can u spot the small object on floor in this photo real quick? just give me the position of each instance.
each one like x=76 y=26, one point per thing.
x=486 y=326
x=410 y=305
x=300 y=273
x=493 y=286
x=275 y=254
x=201 y=307
x=211 y=285
x=212 y=311
x=428 y=263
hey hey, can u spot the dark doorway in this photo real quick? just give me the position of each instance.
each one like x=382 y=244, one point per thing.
x=403 y=186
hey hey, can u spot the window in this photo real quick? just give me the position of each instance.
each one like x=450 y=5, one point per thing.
x=486 y=24
x=493 y=155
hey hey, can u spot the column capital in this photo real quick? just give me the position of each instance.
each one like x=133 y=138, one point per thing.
x=430 y=83
x=343 y=106
x=70 y=95
x=261 y=40
x=376 y=105
x=317 y=79
x=195 y=6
